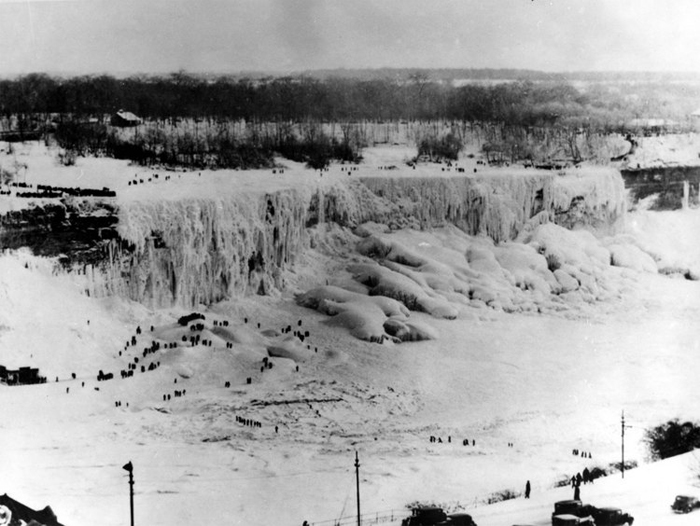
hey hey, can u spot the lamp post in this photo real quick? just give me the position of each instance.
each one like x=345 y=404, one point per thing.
x=623 y=426
x=130 y=468
x=357 y=481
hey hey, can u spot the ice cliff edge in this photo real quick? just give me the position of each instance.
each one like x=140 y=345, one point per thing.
x=200 y=250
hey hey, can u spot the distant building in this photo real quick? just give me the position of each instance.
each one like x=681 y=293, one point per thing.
x=21 y=376
x=653 y=126
x=21 y=513
x=125 y=119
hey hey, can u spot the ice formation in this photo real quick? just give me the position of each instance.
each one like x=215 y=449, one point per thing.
x=443 y=272
x=500 y=204
x=199 y=251
x=196 y=250
x=371 y=318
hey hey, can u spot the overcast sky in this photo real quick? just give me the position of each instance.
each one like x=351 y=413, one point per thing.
x=157 y=36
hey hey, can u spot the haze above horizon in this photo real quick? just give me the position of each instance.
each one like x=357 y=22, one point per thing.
x=231 y=36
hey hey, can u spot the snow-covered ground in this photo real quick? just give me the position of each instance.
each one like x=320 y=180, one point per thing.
x=666 y=150
x=545 y=383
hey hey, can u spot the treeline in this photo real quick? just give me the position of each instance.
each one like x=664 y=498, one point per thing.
x=298 y=99
x=208 y=144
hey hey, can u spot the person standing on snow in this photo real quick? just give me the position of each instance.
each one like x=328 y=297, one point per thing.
x=527 y=489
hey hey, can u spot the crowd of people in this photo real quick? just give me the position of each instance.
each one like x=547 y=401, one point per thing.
x=139 y=180
x=137 y=353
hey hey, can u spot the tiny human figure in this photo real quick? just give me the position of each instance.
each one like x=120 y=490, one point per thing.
x=527 y=489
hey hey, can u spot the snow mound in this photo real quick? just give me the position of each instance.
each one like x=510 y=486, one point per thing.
x=370 y=318
x=444 y=272
x=675 y=253
x=630 y=256
x=288 y=347
x=578 y=248
x=397 y=285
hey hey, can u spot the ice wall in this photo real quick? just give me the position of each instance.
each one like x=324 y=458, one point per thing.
x=199 y=251
x=192 y=251
x=500 y=203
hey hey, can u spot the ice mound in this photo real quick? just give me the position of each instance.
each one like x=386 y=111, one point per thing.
x=630 y=256
x=527 y=266
x=234 y=352
x=670 y=238
x=371 y=318
x=288 y=347
x=444 y=272
x=577 y=248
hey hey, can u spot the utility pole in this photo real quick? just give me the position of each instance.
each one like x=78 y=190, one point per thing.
x=357 y=481
x=130 y=468
x=623 y=426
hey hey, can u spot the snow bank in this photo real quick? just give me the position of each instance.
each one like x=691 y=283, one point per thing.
x=42 y=312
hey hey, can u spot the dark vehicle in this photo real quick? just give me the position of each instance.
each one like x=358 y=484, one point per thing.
x=434 y=516
x=611 y=517
x=567 y=519
x=572 y=507
x=685 y=504
x=427 y=516
x=458 y=519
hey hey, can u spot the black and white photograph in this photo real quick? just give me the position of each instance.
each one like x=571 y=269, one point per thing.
x=349 y=263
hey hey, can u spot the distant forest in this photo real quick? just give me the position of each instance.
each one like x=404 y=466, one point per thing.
x=536 y=99
x=195 y=120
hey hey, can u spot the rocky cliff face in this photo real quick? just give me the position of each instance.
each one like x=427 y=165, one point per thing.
x=664 y=181
x=74 y=230
x=198 y=251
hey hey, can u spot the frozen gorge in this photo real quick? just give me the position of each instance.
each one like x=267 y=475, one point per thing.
x=508 y=239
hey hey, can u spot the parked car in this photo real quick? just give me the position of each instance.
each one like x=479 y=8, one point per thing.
x=572 y=507
x=457 y=519
x=611 y=517
x=434 y=516
x=685 y=504
x=567 y=519
x=425 y=516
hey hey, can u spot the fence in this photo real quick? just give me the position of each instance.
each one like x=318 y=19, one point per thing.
x=385 y=518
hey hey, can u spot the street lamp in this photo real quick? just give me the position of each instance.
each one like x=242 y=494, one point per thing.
x=623 y=426
x=130 y=468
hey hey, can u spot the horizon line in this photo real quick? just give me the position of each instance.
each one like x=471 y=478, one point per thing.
x=511 y=71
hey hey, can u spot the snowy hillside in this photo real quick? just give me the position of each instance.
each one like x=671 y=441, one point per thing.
x=539 y=342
